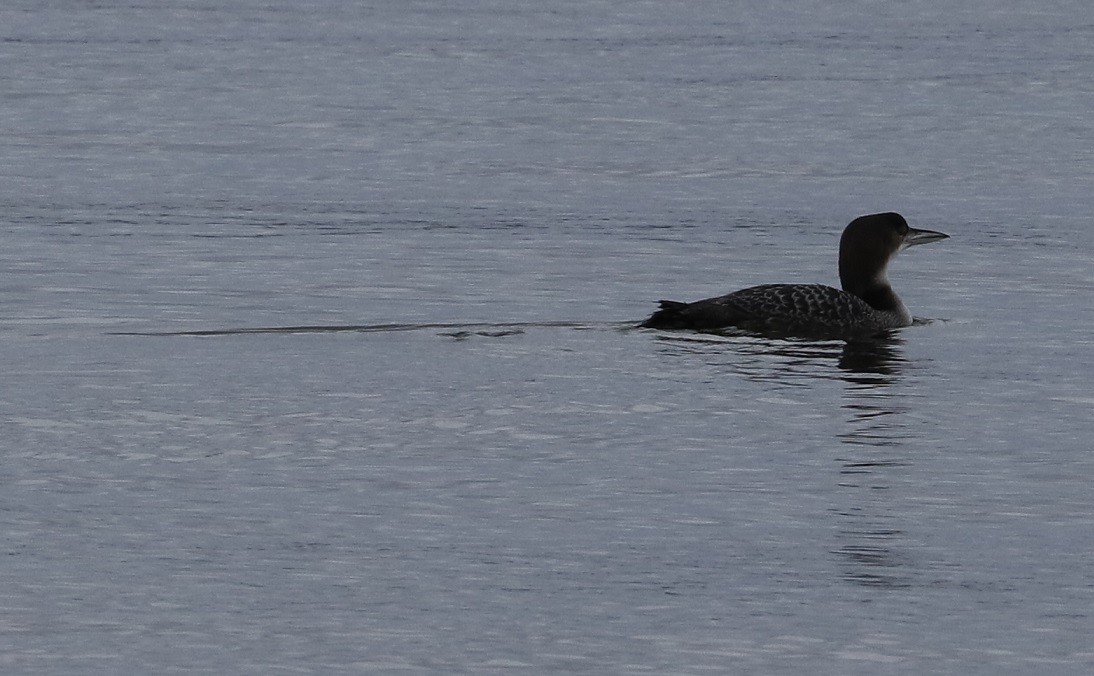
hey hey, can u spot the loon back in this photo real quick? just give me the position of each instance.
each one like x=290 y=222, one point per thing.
x=801 y=309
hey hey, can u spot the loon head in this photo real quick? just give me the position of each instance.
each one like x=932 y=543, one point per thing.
x=865 y=249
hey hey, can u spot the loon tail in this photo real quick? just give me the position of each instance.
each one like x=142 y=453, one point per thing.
x=667 y=317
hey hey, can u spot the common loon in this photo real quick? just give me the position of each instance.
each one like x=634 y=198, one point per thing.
x=867 y=304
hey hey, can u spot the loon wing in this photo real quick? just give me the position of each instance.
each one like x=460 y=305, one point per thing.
x=782 y=307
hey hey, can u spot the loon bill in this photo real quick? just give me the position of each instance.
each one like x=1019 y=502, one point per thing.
x=867 y=304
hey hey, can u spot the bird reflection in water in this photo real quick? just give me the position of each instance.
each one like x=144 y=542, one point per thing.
x=872 y=451
x=878 y=358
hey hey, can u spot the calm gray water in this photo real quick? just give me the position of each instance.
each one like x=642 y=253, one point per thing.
x=318 y=348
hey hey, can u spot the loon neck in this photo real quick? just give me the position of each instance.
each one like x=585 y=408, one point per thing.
x=878 y=294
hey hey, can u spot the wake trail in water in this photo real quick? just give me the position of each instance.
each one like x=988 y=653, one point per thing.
x=453 y=329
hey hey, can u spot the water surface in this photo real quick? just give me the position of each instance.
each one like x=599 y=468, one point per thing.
x=320 y=353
